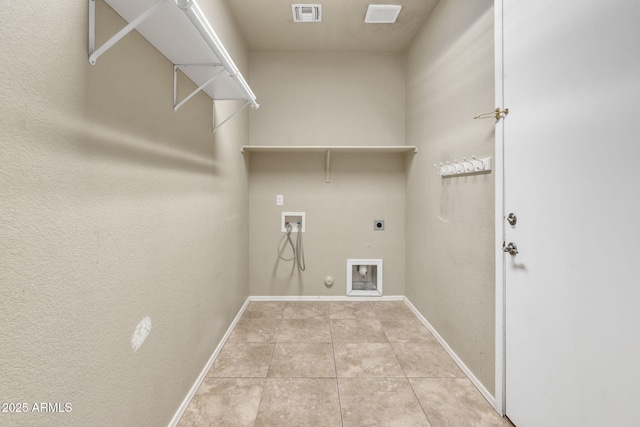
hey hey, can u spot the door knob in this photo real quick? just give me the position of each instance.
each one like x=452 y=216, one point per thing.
x=510 y=248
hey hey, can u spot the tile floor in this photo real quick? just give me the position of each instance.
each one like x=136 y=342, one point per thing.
x=335 y=364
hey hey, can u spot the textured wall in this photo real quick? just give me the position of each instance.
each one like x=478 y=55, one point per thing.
x=112 y=209
x=450 y=258
x=339 y=220
x=327 y=99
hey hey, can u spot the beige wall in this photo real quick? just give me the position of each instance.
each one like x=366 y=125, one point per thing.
x=113 y=208
x=450 y=260
x=327 y=99
x=339 y=220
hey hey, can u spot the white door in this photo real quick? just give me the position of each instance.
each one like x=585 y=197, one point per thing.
x=572 y=178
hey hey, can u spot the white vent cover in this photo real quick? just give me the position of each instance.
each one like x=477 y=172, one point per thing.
x=306 y=12
x=382 y=13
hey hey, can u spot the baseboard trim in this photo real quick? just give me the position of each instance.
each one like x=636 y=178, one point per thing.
x=485 y=393
x=325 y=298
x=205 y=370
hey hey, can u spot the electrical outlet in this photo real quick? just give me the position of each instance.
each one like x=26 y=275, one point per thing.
x=280 y=200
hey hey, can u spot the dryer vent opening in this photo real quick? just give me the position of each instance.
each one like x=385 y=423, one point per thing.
x=364 y=277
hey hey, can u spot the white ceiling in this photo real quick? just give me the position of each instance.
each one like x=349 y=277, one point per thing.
x=267 y=26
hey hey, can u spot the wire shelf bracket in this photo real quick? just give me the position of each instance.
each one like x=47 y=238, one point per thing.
x=218 y=70
x=226 y=82
x=94 y=53
x=176 y=67
x=213 y=117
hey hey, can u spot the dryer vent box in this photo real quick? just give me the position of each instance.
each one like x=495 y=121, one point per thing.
x=306 y=12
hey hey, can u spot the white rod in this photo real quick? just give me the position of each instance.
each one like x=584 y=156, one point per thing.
x=212 y=64
x=197 y=18
x=175 y=86
x=123 y=32
x=175 y=108
x=92 y=26
x=327 y=167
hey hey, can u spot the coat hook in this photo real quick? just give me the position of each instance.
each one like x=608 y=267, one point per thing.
x=497 y=114
x=467 y=161
x=452 y=169
x=479 y=161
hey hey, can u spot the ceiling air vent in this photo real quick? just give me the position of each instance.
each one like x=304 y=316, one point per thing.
x=382 y=13
x=306 y=12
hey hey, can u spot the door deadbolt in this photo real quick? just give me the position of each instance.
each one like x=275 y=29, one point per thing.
x=512 y=218
x=510 y=248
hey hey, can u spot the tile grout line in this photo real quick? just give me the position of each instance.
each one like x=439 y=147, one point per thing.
x=264 y=384
x=410 y=385
x=405 y=373
x=408 y=381
x=419 y=402
x=335 y=367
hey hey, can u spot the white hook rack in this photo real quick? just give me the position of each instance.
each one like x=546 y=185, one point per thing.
x=464 y=167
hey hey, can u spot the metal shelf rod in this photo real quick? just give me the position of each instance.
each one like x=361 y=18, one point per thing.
x=199 y=21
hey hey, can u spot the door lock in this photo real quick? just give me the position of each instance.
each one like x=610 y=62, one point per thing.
x=510 y=248
x=512 y=218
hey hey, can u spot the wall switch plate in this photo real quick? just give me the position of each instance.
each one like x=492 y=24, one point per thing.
x=378 y=224
x=280 y=200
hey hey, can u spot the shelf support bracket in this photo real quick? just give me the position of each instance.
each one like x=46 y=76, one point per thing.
x=94 y=53
x=219 y=72
x=175 y=82
x=228 y=118
x=327 y=167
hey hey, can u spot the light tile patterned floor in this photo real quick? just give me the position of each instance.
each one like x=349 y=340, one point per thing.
x=335 y=364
